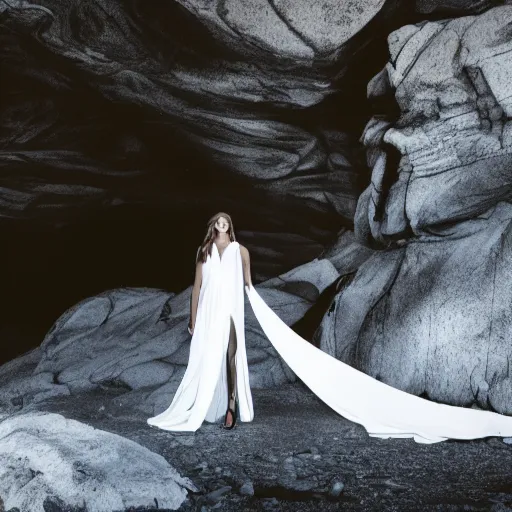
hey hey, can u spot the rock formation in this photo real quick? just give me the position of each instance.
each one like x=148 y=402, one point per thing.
x=116 y=117
x=137 y=339
x=48 y=462
x=430 y=312
x=230 y=92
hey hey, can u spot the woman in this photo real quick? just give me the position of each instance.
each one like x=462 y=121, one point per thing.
x=216 y=382
x=218 y=351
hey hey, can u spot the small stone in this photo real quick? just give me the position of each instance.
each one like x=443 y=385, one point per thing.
x=215 y=496
x=314 y=450
x=218 y=470
x=247 y=489
x=289 y=465
x=270 y=503
x=336 y=489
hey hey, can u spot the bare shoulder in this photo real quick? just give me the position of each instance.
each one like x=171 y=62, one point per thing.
x=243 y=251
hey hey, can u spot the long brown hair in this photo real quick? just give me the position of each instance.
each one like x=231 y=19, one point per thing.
x=211 y=233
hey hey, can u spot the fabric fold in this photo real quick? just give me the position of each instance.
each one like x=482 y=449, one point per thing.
x=202 y=393
x=384 y=411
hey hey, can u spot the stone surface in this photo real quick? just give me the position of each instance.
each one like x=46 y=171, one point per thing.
x=430 y=313
x=116 y=117
x=46 y=459
x=453 y=87
x=454 y=6
x=19 y=385
x=247 y=489
x=347 y=254
x=147 y=374
x=237 y=118
x=295 y=30
x=245 y=66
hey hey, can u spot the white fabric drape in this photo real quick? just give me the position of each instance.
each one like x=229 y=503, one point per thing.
x=382 y=410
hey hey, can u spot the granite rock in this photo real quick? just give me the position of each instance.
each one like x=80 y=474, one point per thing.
x=429 y=312
x=46 y=459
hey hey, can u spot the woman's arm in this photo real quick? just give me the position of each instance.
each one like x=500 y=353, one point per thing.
x=246 y=263
x=194 y=299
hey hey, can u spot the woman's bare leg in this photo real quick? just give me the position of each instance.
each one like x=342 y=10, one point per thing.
x=231 y=369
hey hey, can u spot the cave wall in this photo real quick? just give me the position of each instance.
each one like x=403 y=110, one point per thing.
x=123 y=122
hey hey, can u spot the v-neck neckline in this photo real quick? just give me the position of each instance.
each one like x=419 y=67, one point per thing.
x=225 y=249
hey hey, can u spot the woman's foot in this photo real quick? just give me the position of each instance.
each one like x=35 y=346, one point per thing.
x=230 y=418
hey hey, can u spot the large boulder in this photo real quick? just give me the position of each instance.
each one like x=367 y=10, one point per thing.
x=48 y=462
x=430 y=313
x=299 y=30
x=137 y=339
x=452 y=145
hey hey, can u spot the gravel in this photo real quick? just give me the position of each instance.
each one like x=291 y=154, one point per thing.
x=298 y=455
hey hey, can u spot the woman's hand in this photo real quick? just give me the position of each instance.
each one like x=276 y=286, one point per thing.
x=190 y=328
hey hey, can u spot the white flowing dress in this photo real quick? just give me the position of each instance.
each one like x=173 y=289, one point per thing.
x=382 y=410
x=203 y=391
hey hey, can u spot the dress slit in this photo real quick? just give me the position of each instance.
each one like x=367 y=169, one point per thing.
x=231 y=362
x=217 y=369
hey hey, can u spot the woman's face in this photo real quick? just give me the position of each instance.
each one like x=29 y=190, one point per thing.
x=222 y=225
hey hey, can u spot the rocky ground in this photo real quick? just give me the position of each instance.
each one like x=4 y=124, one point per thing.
x=298 y=455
